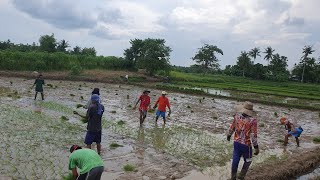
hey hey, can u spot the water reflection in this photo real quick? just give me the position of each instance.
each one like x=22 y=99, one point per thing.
x=141 y=145
x=159 y=137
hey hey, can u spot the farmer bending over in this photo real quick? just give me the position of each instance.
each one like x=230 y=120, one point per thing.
x=243 y=126
x=88 y=161
x=163 y=103
x=144 y=100
x=94 y=127
x=292 y=130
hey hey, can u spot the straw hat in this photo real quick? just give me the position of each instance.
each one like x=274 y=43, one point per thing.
x=246 y=108
x=163 y=92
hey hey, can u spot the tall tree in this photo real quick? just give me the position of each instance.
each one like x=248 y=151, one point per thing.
x=48 y=43
x=150 y=54
x=244 y=62
x=269 y=54
x=254 y=53
x=207 y=58
x=62 y=45
x=76 y=50
x=307 y=50
x=89 y=51
x=134 y=53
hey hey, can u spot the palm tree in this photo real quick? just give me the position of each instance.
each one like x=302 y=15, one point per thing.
x=244 y=61
x=254 y=53
x=269 y=53
x=307 y=50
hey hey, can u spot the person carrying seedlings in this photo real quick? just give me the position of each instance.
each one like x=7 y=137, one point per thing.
x=95 y=91
x=144 y=100
x=163 y=104
x=94 y=127
x=244 y=127
x=88 y=161
x=39 y=82
x=292 y=131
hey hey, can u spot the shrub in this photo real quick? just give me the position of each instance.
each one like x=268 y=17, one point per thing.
x=76 y=70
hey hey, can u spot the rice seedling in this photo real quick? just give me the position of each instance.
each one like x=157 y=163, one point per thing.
x=275 y=114
x=316 y=139
x=188 y=107
x=113 y=112
x=72 y=95
x=64 y=118
x=81 y=97
x=79 y=105
x=121 y=122
x=129 y=168
x=129 y=106
x=115 y=145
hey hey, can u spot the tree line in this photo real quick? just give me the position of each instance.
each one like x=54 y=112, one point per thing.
x=153 y=55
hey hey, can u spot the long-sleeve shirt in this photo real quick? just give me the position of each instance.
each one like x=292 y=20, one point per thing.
x=163 y=103
x=145 y=102
x=244 y=129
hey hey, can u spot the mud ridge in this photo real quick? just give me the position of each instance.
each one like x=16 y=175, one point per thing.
x=296 y=165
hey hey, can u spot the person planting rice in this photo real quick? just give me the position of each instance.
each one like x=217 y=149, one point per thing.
x=163 y=104
x=292 y=131
x=244 y=127
x=39 y=82
x=144 y=100
x=94 y=127
x=88 y=161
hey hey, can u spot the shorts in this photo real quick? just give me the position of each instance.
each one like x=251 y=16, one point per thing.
x=297 y=133
x=93 y=174
x=161 y=113
x=92 y=137
x=144 y=112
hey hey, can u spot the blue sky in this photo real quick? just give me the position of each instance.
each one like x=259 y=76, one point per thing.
x=108 y=25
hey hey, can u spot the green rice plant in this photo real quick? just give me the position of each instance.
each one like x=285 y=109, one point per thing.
x=113 y=112
x=188 y=107
x=280 y=140
x=121 y=122
x=72 y=95
x=79 y=105
x=316 y=139
x=50 y=85
x=81 y=97
x=79 y=89
x=115 y=145
x=151 y=110
x=129 y=106
x=174 y=99
x=276 y=114
x=129 y=168
x=64 y=118
x=84 y=120
x=191 y=111
x=67 y=177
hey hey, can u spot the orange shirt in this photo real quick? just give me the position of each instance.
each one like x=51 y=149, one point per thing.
x=163 y=103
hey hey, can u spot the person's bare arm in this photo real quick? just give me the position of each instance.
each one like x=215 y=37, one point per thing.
x=74 y=173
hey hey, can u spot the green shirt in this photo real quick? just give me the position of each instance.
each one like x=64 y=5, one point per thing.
x=39 y=83
x=85 y=160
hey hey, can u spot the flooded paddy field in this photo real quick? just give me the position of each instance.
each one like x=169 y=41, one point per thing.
x=36 y=135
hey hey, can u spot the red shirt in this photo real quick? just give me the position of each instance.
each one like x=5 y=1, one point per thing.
x=145 y=102
x=163 y=103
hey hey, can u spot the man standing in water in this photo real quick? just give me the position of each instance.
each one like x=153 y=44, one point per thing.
x=94 y=127
x=144 y=100
x=163 y=104
x=39 y=82
x=88 y=161
x=243 y=126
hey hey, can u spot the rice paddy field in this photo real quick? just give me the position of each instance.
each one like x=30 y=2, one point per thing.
x=36 y=135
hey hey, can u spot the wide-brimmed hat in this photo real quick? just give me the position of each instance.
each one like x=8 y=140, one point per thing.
x=246 y=108
x=163 y=92
x=146 y=91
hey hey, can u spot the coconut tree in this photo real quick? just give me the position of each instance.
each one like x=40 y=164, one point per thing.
x=254 y=53
x=244 y=62
x=307 y=50
x=269 y=53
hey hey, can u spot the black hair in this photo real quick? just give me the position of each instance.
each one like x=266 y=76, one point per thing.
x=74 y=147
x=96 y=91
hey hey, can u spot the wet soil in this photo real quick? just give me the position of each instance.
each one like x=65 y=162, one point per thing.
x=192 y=141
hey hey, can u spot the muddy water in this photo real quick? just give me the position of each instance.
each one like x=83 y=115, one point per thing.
x=193 y=139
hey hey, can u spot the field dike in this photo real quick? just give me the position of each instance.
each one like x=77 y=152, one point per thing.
x=296 y=165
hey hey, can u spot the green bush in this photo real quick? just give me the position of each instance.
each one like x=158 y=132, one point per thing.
x=76 y=70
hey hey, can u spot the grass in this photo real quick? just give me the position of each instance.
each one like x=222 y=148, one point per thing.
x=64 y=118
x=115 y=145
x=121 y=122
x=316 y=139
x=129 y=168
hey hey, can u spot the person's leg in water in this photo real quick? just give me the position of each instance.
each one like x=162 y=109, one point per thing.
x=286 y=139
x=35 y=96
x=141 y=116
x=157 y=116
x=99 y=148
x=297 y=141
x=235 y=160
x=247 y=155
x=42 y=96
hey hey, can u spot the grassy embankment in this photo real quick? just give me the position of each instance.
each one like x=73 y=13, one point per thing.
x=289 y=94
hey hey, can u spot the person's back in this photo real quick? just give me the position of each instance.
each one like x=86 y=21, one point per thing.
x=94 y=121
x=243 y=126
